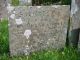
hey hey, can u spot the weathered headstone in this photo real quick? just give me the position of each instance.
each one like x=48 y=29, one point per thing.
x=75 y=23
x=37 y=27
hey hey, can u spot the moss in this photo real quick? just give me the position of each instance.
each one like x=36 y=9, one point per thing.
x=4 y=37
x=15 y=2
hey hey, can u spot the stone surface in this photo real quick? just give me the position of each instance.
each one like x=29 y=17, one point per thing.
x=3 y=10
x=75 y=20
x=37 y=27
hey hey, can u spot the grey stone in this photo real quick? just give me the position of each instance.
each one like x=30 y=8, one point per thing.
x=75 y=21
x=3 y=10
x=35 y=28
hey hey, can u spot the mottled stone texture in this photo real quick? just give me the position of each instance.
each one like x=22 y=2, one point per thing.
x=75 y=22
x=38 y=27
x=3 y=10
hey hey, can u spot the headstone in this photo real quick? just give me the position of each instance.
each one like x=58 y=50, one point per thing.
x=75 y=22
x=35 y=28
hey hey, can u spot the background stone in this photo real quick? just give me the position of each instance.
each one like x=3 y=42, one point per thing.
x=3 y=10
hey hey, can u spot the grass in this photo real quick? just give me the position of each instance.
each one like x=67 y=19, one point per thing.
x=4 y=43
x=50 y=2
x=43 y=2
x=65 y=54
x=15 y=2
x=65 y=2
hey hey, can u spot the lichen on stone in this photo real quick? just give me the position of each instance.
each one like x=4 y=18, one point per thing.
x=39 y=6
x=12 y=16
x=26 y=50
x=55 y=6
x=19 y=21
x=27 y=33
x=10 y=8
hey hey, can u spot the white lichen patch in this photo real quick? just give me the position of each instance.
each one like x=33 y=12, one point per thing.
x=27 y=47
x=49 y=39
x=1 y=19
x=39 y=6
x=65 y=31
x=26 y=50
x=74 y=8
x=27 y=33
x=29 y=1
x=14 y=12
x=12 y=16
x=55 y=6
x=32 y=14
x=18 y=21
x=28 y=41
x=63 y=5
x=10 y=8
x=47 y=43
